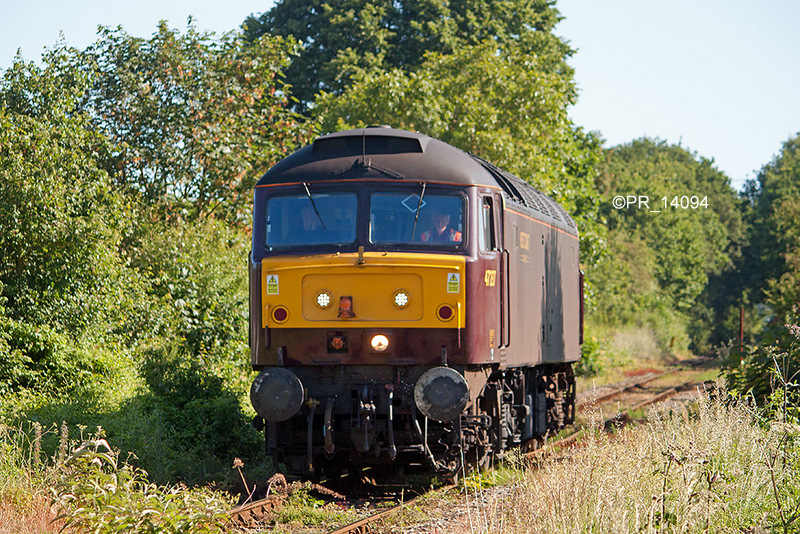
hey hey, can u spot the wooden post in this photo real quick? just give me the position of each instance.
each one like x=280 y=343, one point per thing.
x=741 y=333
x=741 y=326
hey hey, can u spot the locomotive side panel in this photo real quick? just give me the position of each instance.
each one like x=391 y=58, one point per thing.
x=571 y=289
x=553 y=346
x=526 y=292
x=562 y=297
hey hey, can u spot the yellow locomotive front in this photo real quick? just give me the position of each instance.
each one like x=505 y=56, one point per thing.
x=345 y=308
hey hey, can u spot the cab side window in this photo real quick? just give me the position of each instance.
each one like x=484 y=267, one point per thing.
x=486 y=232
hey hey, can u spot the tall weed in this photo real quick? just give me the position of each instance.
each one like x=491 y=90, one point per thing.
x=27 y=470
x=769 y=372
x=98 y=493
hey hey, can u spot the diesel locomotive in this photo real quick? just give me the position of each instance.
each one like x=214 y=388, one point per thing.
x=410 y=303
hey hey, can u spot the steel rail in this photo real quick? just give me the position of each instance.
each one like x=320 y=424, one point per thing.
x=622 y=417
x=362 y=526
x=619 y=391
x=251 y=513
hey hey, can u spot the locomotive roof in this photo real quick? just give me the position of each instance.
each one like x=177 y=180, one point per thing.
x=381 y=153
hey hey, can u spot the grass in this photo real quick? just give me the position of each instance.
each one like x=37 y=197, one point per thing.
x=715 y=468
x=24 y=481
x=709 y=469
x=302 y=512
x=83 y=486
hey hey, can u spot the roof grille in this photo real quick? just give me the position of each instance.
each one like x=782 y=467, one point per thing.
x=518 y=190
x=367 y=144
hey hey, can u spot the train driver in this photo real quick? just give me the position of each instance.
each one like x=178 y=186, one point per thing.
x=440 y=231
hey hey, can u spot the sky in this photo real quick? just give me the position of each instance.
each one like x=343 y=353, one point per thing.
x=719 y=77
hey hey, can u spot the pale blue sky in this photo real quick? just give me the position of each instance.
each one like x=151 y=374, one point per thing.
x=722 y=77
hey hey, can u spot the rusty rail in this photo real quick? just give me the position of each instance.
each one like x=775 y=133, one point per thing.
x=362 y=526
x=249 y=515
x=619 y=391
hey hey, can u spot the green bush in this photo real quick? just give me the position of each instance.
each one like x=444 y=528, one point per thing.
x=196 y=411
x=39 y=358
x=197 y=285
x=98 y=493
x=60 y=225
x=589 y=365
x=769 y=371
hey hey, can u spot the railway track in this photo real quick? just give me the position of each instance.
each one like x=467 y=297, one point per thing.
x=634 y=396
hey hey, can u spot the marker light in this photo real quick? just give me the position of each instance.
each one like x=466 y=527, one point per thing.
x=280 y=314
x=445 y=312
x=401 y=299
x=324 y=299
x=380 y=343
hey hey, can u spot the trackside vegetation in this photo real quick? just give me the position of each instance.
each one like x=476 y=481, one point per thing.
x=718 y=466
x=126 y=171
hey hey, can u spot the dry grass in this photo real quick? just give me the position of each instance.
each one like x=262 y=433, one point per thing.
x=25 y=478
x=34 y=515
x=708 y=470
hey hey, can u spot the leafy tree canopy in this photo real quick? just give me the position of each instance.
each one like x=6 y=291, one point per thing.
x=687 y=245
x=60 y=220
x=774 y=252
x=343 y=38
x=775 y=202
x=192 y=118
x=690 y=243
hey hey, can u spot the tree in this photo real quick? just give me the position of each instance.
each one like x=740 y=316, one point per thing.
x=63 y=285
x=507 y=107
x=772 y=263
x=349 y=37
x=60 y=220
x=193 y=119
x=488 y=76
x=691 y=241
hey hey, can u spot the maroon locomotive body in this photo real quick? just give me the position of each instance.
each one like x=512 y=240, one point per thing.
x=409 y=303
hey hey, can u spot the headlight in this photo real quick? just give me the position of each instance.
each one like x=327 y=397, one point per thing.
x=379 y=343
x=323 y=299
x=401 y=299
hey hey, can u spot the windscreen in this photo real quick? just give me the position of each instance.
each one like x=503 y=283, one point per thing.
x=405 y=218
x=322 y=218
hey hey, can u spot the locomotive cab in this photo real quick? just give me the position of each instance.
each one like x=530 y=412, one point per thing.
x=407 y=304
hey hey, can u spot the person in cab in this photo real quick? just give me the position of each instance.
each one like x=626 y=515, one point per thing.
x=440 y=231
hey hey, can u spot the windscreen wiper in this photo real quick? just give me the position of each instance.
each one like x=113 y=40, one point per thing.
x=313 y=205
x=416 y=215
